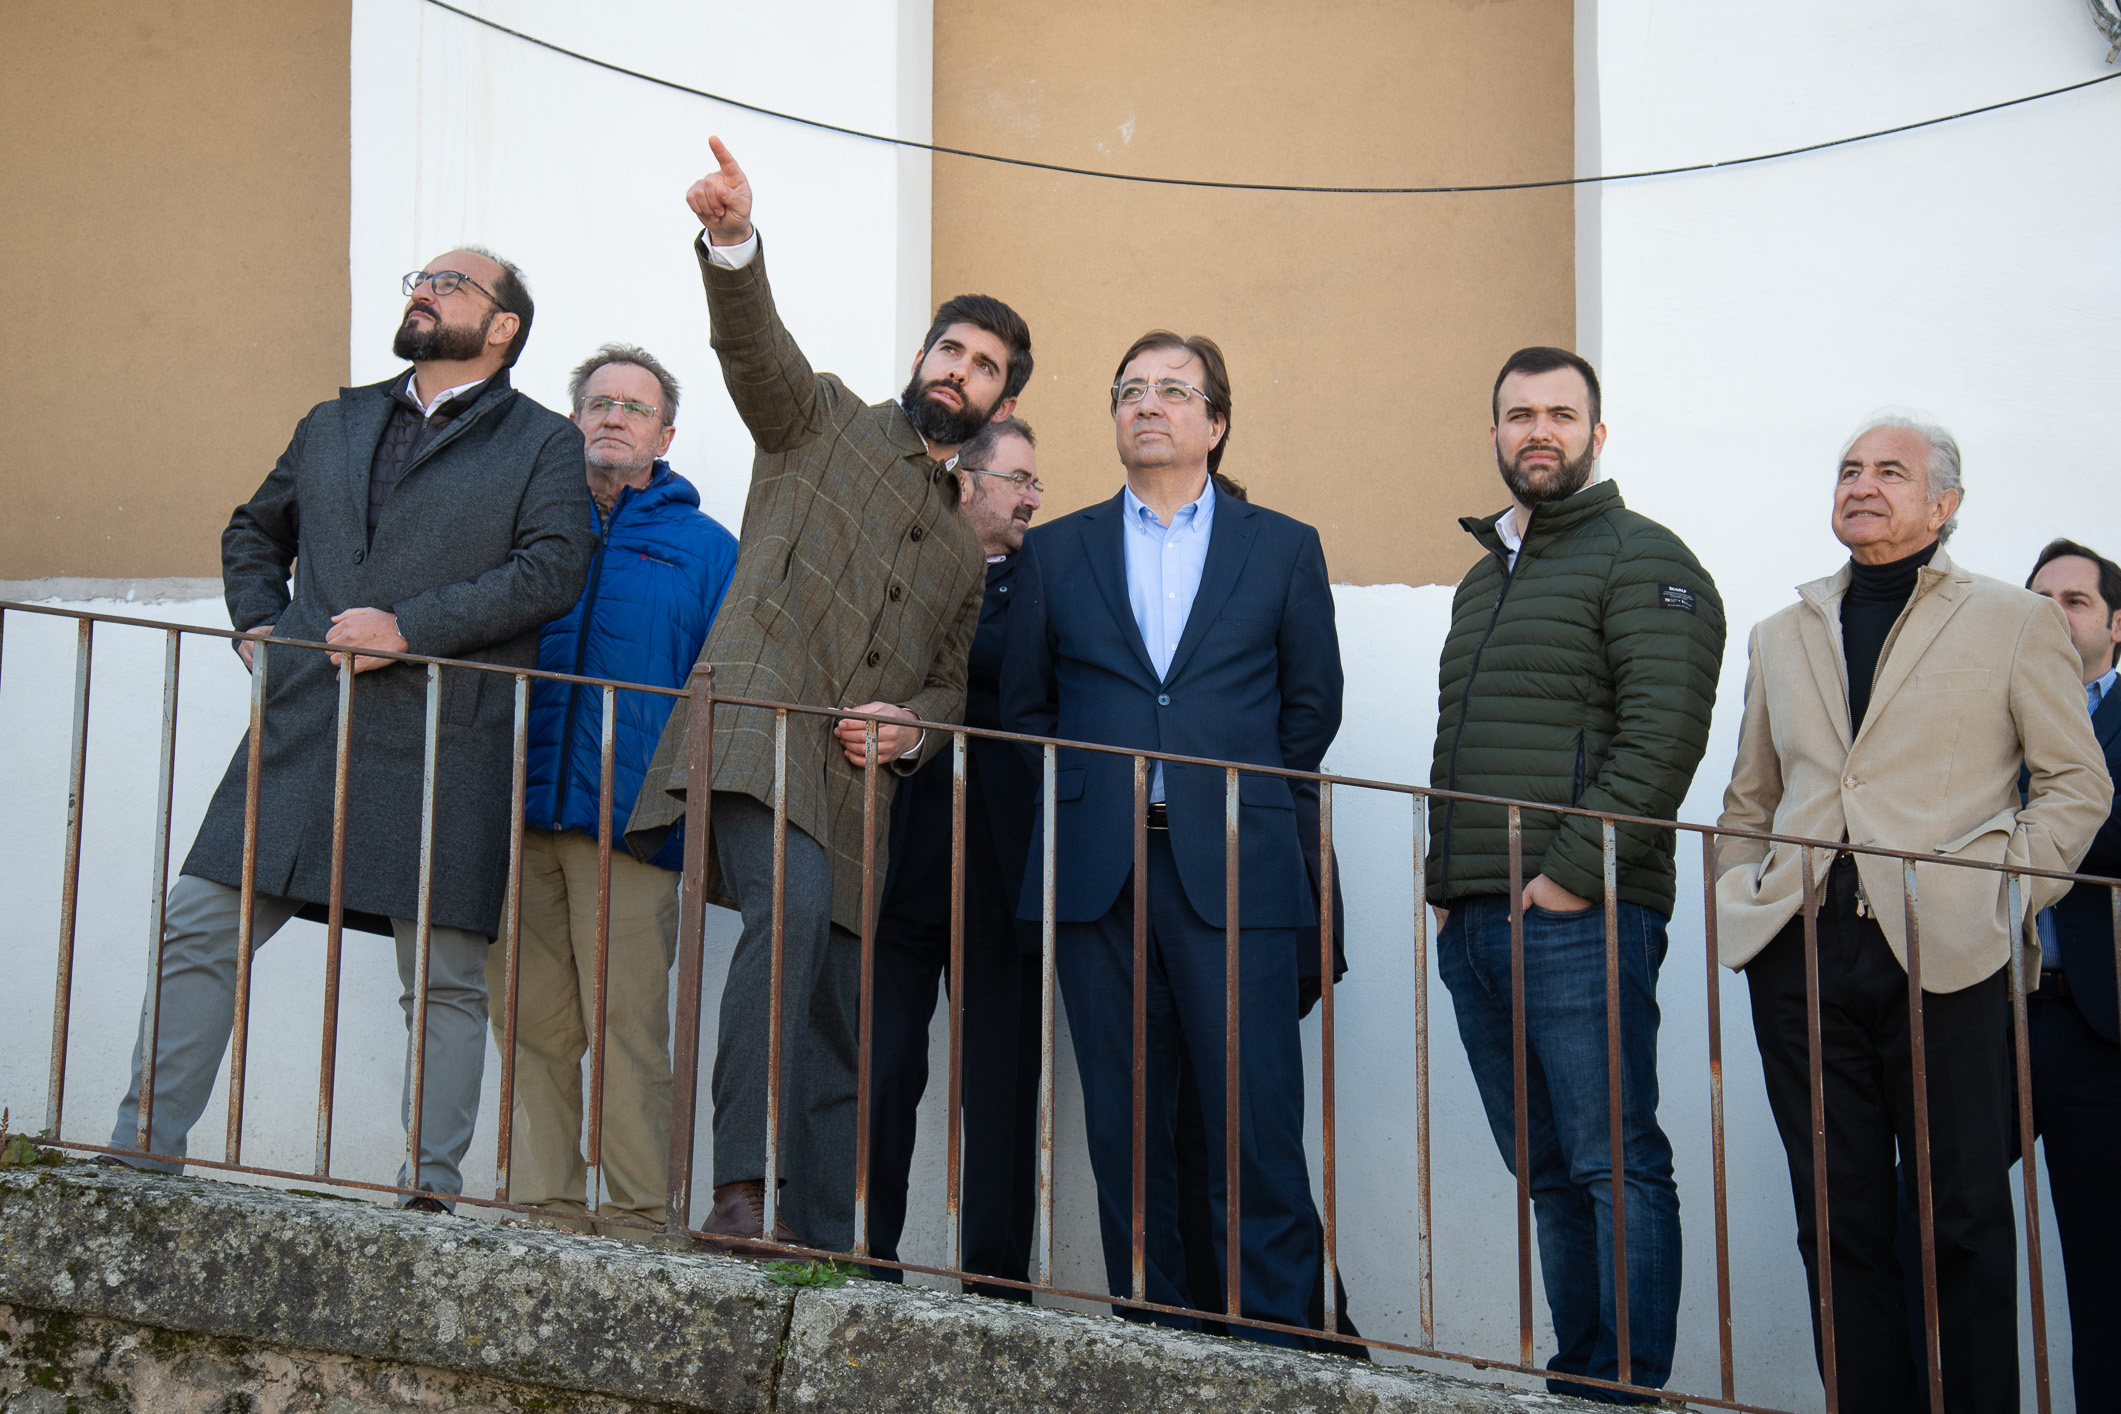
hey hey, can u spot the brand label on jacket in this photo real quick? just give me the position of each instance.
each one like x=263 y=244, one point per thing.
x=1675 y=596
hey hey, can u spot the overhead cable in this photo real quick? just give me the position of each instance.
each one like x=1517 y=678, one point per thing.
x=1259 y=186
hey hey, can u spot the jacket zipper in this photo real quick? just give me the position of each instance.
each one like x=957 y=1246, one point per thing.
x=581 y=655
x=1465 y=698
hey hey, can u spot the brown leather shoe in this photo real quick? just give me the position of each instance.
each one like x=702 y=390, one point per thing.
x=740 y=1213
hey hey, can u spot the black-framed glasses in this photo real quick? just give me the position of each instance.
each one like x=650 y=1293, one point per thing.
x=1167 y=390
x=445 y=282
x=639 y=412
x=1021 y=480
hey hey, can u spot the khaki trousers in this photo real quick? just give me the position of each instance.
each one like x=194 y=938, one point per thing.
x=556 y=1008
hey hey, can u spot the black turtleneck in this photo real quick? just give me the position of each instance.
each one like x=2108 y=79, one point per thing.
x=1876 y=595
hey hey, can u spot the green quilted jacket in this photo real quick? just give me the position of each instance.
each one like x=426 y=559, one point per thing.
x=1585 y=676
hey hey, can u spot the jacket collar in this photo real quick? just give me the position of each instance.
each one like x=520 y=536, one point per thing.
x=1941 y=586
x=1549 y=522
x=1104 y=531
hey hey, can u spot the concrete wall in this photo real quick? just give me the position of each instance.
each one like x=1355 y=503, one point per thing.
x=174 y=292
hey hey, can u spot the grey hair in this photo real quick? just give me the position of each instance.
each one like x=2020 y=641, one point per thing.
x=625 y=353
x=1941 y=472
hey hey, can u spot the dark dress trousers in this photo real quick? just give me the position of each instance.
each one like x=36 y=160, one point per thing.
x=1000 y=986
x=2075 y=1034
x=1255 y=677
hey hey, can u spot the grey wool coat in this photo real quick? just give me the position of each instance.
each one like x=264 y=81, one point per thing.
x=858 y=579
x=487 y=535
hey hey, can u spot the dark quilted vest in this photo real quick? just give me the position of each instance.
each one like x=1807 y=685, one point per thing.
x=405 y=436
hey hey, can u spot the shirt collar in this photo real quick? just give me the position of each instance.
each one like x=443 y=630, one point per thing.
x=1194 y=511
x=2095 y=691
x=409 y=392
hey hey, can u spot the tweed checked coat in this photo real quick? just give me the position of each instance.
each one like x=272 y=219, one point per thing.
x=858 y=580
x=487 y=535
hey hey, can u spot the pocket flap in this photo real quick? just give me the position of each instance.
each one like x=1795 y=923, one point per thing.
x=1271 y=792
x=1068 y=783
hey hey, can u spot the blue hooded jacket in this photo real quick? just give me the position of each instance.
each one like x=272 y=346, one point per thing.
x=661 y=568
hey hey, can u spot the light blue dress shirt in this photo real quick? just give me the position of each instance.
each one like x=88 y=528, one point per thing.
x=1164 y=564
x=2050 y=956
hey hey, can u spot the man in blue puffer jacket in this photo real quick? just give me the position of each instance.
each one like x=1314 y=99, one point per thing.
x=660 y=570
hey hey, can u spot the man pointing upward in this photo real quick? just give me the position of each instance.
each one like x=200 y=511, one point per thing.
x=858 y=582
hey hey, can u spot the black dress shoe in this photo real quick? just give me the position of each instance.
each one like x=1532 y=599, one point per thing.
x=426 y=1203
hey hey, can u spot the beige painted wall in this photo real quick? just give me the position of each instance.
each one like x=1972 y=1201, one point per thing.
x=1363 y=332
x=174 y=291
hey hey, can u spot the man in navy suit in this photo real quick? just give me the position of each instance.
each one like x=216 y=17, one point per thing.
x=1177 y=618
x=2075 y=1016
x=998 y=471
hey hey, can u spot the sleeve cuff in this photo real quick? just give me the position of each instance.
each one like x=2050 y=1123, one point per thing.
x=731 y=257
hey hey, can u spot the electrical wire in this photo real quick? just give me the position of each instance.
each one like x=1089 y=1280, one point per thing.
x=1263 y=186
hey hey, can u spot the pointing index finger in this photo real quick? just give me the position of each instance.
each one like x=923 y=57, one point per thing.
x=723 y=157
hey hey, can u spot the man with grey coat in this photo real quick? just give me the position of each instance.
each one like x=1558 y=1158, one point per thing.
x=858 y=586
x=442 y=513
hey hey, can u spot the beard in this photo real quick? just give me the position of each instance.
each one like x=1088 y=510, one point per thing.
x=1533 y=489
x=937 y=423
x=439 y=342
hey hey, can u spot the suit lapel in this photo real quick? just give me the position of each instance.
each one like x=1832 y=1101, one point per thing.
x=1926 y=618
x=1229 y=545
x=368 y=409
x=2106 y=722
x=1104 y=527
x=1821 y=632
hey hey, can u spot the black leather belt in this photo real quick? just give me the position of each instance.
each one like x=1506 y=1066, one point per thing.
x=1843 y=895
x=1159 y=818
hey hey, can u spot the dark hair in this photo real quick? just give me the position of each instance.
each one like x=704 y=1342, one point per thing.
x=974 y=454
x=513 y=297
x=624 y=353
x=987 y=312
x=1224 y=486
x=1541 y=358
x=1215 y=377
x=2109 y=572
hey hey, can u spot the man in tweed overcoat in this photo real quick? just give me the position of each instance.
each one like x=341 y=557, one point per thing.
x=858 y=585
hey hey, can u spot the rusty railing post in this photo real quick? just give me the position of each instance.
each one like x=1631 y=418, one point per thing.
x=246 y=935
x=692 y=946
x=512 y=939
x=158 y=907
x=335 y=923
x=866 y=1036
x=70 y=883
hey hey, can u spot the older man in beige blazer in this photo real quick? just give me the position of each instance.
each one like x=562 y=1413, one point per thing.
x=1892 y=706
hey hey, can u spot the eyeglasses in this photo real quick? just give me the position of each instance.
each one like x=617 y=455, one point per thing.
x=1167 y=390
x=1022 y=481
x=638 y=412
x=445 y=282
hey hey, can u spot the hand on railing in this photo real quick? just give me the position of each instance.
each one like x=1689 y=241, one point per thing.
x=246 y=649
x=891 y=742
x=366 y=628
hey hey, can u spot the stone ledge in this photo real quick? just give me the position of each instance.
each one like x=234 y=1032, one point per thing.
x=112 y=1277
x=552 y=1310
x=885 y=1349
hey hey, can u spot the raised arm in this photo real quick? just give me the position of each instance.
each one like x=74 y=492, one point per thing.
x=780 y=397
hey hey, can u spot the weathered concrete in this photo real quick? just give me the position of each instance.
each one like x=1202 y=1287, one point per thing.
x=53 y=1363
x=888 y=1349
x=134 y=1291
x=551 y=1310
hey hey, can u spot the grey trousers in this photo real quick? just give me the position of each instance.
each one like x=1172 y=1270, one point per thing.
x=199 y=936
x=820 y=1027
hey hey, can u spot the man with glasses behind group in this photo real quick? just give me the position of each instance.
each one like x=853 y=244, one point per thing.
x=438 y=512
x=999 y=988
x=1177 y=618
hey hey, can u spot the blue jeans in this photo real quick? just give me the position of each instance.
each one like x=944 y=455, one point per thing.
x=1569 y=1141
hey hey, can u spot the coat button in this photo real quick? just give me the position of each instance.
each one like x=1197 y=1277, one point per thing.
x=1848 y=782
x=917 y=533
x=875 y=658
x=359 y=555
x=1163 y=700
x=897 y=593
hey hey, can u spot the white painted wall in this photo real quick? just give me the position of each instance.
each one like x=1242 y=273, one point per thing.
x=1744 y=321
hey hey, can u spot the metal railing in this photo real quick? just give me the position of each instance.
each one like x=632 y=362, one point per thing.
x=703 y=702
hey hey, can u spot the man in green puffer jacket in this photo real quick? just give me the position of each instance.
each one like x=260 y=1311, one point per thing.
x=1580 y=670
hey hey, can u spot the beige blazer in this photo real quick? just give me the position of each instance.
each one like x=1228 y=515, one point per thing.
x=1976 y=678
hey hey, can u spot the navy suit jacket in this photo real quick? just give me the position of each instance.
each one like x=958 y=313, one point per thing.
x=1256 y=677
x=2084 y=919
x=998 y=786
